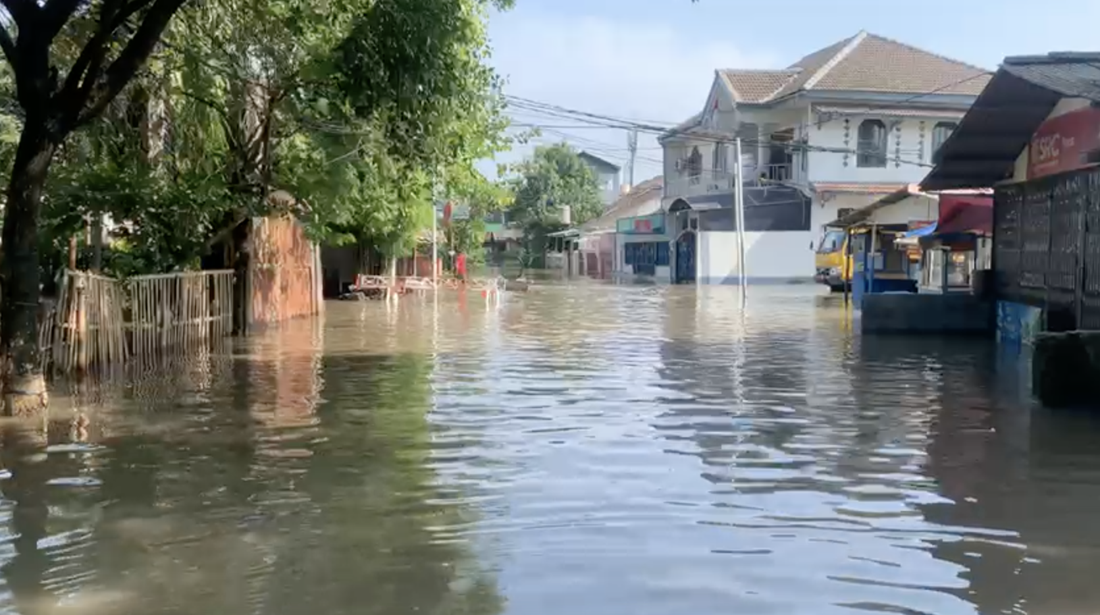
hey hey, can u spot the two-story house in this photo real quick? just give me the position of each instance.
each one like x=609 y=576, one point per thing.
x=828 y=135
x=608 y=176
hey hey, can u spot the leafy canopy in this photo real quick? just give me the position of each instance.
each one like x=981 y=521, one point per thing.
x=554 y=177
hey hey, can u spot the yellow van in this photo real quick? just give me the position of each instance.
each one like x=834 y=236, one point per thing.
x=832 y=268
x=833 y=261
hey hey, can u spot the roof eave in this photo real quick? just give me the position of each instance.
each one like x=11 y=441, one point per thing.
x=972 y=157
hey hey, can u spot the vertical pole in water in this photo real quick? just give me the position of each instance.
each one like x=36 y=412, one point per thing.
x=435 y=246
x=739 y=210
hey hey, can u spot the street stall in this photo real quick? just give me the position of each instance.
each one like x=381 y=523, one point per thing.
x=956 y=246
x=878 y=265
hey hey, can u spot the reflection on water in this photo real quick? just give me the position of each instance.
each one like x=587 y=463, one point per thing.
x=590 y=449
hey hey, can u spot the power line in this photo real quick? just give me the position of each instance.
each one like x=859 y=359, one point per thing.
x=819 y=123
x=624 y=124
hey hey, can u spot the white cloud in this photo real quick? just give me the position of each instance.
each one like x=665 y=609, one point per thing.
x=642 y=71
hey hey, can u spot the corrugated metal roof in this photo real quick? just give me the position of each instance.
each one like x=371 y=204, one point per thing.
x=1076 y=75
x=983 y=149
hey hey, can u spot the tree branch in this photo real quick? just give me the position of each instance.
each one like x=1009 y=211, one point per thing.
x=21 y=11
x=8 y=45
x=136 y=52
x=85 y=71
x=54 y=15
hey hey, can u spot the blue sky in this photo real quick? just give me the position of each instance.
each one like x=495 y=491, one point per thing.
x=655 y=59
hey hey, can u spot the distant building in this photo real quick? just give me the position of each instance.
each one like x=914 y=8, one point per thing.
x=825 y=137
x=628 y=240
x=609 y=176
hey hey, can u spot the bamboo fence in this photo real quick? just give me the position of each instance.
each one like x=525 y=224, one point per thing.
x=101 y=322
x=88 y=327
x=181 y=311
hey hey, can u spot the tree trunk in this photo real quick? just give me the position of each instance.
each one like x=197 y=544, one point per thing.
x=24 y=385
x=242 y=291
x=97 y=243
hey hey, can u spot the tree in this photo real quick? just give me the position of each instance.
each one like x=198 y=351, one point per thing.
x=422 y=107
x=118 y=37
x=553 y=178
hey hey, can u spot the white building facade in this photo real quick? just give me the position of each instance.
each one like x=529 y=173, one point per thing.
x=831 y=134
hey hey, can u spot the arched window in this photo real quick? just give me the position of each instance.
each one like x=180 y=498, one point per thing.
x=719 y=158
x=871 y=147
x=695 y=164
x=940 y=132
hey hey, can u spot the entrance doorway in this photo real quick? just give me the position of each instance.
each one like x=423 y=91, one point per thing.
x=685 y=257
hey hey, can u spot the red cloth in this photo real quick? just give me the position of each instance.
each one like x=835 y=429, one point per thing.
x=965 y=214
x=460 y=265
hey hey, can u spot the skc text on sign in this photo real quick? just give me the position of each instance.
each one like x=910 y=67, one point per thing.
x=1063 y=143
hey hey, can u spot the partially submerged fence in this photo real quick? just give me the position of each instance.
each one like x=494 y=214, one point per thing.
x=100 y=322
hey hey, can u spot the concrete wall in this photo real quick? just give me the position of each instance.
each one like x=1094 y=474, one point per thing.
x=771 y=257
x=910 y=140
x=610 y=186
x=922 y=314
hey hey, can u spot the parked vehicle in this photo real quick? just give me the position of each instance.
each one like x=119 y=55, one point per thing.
x=833 y=261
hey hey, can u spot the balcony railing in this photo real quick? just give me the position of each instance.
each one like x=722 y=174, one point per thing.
x=718 y=182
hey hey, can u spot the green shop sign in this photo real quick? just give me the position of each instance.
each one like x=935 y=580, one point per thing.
x=642 y=225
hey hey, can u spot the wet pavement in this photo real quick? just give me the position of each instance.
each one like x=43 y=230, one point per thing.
x=581 y=449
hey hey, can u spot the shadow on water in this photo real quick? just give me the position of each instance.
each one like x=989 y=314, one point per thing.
x=585 y=447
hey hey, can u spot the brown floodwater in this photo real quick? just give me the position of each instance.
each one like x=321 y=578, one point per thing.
x=580 y=449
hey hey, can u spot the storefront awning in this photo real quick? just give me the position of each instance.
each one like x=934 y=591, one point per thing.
x=569 y=232
x=923 y=231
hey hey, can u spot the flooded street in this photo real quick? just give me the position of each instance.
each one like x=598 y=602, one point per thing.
x=586 y=449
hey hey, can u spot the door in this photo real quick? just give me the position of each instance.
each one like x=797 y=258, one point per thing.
x=685 y=258
x=859 y=267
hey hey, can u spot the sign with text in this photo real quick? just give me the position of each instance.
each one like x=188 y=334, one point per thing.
x=641 y=225
x=1063 y=143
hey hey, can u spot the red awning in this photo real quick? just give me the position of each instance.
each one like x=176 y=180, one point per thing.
x=965 y=214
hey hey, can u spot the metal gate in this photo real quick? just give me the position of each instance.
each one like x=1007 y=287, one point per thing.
x=1047 y=247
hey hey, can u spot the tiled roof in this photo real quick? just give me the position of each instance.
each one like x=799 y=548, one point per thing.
x=630 y=204
x=755 y=86
x=812 y=65
x=863 y=63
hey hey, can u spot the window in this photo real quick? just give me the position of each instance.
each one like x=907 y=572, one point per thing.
x=832 y=241
x=871 y=147
x=940 y=132
x=695 y=164
x=645 y=257
x=804 y=155
x=719 y=162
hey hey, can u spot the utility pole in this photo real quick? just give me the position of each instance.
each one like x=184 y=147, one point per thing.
x=739 y=209
x=632 y=145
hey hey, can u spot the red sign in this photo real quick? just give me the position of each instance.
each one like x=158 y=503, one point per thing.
x=1063 y=143
x=643 y=225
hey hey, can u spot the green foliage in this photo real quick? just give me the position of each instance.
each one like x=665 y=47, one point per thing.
x=365 y=110
x=554 y=177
